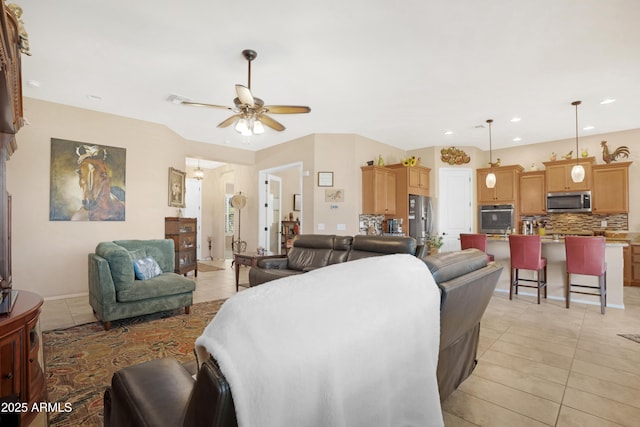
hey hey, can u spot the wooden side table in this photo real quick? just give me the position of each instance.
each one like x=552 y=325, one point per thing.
x=250 y=260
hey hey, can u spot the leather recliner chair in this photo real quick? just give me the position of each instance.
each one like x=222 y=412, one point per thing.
x=162 y=392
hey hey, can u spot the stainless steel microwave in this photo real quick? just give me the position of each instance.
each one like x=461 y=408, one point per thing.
x=572 y=201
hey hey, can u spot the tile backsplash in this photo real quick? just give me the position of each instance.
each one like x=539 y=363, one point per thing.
x=578 y=222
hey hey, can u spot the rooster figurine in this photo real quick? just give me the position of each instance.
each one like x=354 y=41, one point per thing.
x=622 y=151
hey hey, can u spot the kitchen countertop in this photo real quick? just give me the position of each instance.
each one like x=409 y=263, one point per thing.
x=623 y=239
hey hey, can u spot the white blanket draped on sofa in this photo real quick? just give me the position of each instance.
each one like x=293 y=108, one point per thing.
x=353 y=344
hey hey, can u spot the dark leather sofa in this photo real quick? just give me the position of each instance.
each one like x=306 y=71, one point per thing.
x=311 y=251
x=163 y=393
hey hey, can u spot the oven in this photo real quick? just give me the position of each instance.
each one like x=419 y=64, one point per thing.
x=495 y=219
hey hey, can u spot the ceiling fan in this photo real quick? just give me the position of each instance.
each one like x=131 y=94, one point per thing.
x=250 y=111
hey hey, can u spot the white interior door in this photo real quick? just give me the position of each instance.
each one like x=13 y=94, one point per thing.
x=454 y=205
x=193 y=208
x=273 y=209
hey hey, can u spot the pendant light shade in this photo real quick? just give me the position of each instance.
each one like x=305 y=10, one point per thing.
x=577 y=171
x=490 y=181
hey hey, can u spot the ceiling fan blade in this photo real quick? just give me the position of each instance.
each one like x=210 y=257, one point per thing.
x=273 y=124
x=287 y=109
x=230 y=120
x=245 y=96
x=202 y=104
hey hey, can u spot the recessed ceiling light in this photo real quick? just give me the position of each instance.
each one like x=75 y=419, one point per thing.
x=449 y=132
x=607 y=101
x=515 y=119
x=588 y=128
x=33 y=83
x=94 y=97
x=516 y=139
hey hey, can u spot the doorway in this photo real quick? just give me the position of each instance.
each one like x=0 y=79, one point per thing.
x=278 y=202
x=454 y=208
x=193 y=208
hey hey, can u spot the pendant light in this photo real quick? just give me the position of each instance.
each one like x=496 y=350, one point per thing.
x=577 y=171
x=491 y=177
x=198 y=173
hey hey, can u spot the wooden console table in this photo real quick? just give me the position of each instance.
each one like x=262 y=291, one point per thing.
x=250 y=260
x=21 y=373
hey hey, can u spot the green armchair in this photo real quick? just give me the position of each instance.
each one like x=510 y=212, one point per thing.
x=114 y=291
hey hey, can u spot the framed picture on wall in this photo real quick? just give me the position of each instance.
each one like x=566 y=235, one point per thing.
x=176 y=188
x=87 y=182
x=325 y=179
x=297 y=202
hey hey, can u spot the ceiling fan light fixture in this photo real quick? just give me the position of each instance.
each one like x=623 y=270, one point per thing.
x=257 y=127
x=241 y=126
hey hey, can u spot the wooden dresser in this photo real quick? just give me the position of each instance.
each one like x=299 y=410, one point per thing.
x=184 y=233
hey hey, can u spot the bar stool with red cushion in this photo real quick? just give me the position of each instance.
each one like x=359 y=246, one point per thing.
x=526 y=254
x=585 y=255
x=478 y=241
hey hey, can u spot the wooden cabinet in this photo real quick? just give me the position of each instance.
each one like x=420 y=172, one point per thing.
x=378 y=190
x=409 y=180
x=558 y=175
x=533 y=197
x=632 y=265
x=507 y=185
x=183 y=232
x=21 y=374
x=418 y=180
x=610 y=194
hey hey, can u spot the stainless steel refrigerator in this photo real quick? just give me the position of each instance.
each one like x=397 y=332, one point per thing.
x=420 y=217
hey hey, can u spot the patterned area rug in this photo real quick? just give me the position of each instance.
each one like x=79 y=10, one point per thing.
x=208 y=267
x=632 y=337
x=80 y=361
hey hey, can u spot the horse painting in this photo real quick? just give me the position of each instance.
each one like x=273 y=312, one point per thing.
x=98 y=200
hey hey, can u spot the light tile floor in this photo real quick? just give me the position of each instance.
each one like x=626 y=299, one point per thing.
x=539 y=365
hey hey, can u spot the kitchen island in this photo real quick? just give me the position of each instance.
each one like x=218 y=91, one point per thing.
x=554 y=252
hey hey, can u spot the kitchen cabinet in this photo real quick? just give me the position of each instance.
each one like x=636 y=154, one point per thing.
x=507 y=185
x=409 y=180
x=378 y=190
x=558 y=175
x=631 y=265
x=183 y=232
x=533 y=197
x=610 y=194
x=417 y=180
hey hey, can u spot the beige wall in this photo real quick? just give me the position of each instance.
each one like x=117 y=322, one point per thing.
x=50 y=257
